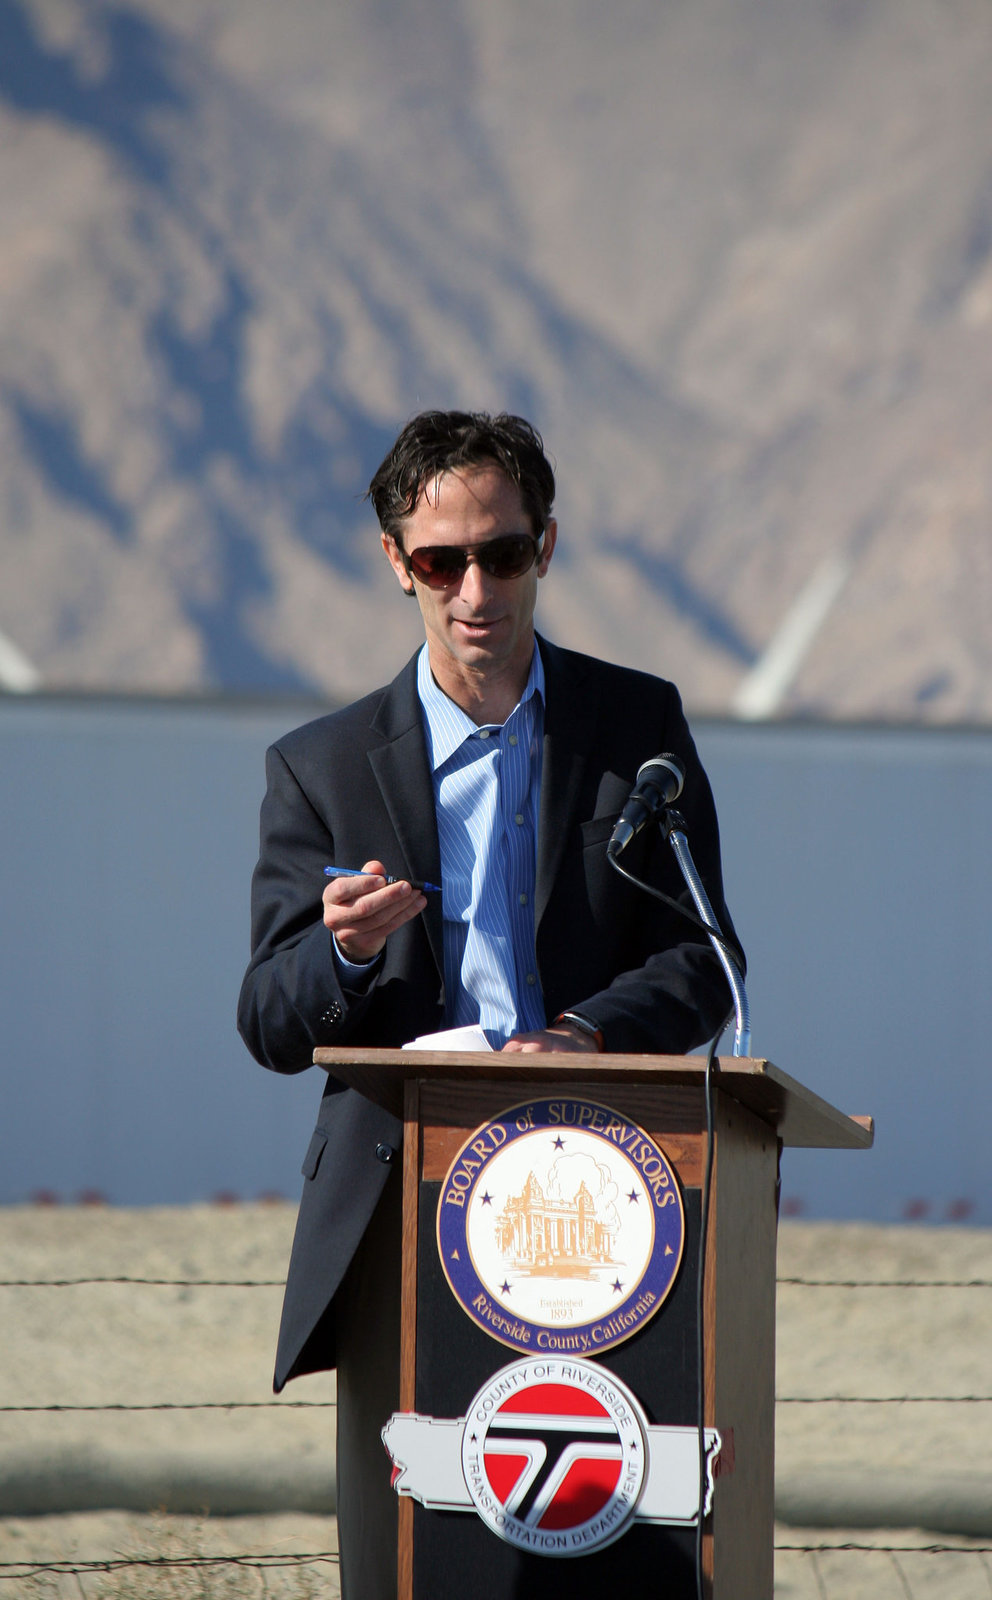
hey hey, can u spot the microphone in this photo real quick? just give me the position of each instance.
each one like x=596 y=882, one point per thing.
x=658 y=783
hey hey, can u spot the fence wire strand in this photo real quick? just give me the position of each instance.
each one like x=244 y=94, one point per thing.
x=280 y=1283
x=178 y=1405
x=10 y=1570
x=329 y=1405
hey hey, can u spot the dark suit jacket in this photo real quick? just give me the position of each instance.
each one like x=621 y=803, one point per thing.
x=357 y=784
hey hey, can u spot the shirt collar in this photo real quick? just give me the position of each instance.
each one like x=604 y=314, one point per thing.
x=448 y=726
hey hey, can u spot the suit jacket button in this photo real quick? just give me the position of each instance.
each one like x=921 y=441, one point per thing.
x=385 y=1153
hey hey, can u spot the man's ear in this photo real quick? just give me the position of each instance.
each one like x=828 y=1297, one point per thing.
x=395 y=560
x=548 y=548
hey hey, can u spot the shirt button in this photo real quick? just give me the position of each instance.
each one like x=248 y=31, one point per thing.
x=519 y=819
x=483 y=733
x=523 y=899
x=513 y=738
x=532 y=978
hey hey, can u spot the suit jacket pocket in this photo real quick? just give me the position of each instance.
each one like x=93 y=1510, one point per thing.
x=311 y=1160
x=598 y=831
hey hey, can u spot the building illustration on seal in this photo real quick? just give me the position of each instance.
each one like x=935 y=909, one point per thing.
x=538 y=1233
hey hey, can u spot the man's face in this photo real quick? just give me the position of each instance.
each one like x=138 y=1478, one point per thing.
x=479 y=626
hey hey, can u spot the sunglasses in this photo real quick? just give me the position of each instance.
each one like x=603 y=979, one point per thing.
x=441 y=565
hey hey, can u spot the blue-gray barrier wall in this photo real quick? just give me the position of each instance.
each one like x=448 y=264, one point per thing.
x=858 y=867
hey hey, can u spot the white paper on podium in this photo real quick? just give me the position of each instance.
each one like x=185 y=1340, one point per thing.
x=471 y=1038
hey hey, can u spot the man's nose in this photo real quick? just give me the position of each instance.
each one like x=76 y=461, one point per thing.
x=476 y=585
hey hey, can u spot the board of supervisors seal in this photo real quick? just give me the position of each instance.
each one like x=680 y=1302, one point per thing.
x=560 y=1227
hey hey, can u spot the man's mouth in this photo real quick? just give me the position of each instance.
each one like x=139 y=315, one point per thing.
x=477 y=624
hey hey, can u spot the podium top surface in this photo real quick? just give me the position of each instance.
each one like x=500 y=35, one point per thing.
x=798 y=1116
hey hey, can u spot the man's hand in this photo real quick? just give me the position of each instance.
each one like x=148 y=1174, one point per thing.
x=562 y=1037
x=362 y=912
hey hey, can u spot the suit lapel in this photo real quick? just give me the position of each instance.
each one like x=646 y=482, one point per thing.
x=401 y=770
x=571 y=714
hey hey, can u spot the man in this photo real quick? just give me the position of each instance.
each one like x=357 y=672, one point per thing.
x=494 y=766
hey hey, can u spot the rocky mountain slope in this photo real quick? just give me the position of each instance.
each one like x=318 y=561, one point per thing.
x=734 y=259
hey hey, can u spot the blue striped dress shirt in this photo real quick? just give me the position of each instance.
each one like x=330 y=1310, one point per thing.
x=487 y=784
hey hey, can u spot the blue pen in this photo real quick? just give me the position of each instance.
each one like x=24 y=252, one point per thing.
x=356 y=872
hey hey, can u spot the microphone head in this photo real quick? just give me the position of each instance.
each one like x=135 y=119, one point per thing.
x=667 y=772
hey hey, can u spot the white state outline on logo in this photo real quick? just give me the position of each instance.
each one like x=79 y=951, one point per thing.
x=625 y=1422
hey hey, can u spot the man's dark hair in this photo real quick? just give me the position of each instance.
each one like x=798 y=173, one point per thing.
x=436 y=442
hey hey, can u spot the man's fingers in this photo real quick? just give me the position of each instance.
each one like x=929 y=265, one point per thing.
x=344 y=923
x=346 y=891
x=363 y=944
x=363 y=912
x=557 y=1040
x=367 y=900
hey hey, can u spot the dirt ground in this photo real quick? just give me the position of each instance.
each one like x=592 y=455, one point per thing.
x=870 y=1447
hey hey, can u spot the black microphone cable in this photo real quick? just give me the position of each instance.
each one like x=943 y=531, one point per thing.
x=727 y=945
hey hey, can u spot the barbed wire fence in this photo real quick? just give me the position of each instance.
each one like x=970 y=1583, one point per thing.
x=813 y=1552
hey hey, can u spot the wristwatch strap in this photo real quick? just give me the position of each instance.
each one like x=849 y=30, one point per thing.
x=584 y=1025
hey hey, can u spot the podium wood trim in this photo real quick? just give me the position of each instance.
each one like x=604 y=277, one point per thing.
x=799 y=1117
x=739 y=1349
x=412 y=1135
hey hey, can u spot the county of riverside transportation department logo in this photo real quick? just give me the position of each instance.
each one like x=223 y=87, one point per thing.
x=555 y=1463
x=556 y=1456
x=560 y=1227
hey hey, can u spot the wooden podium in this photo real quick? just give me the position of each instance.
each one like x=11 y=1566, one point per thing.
x=447 y=1358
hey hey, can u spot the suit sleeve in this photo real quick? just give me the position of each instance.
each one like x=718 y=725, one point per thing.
x=292 y=998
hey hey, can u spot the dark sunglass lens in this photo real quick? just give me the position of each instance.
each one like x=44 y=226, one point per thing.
x=440 y=565
x=437 y=565
x=510 y=557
